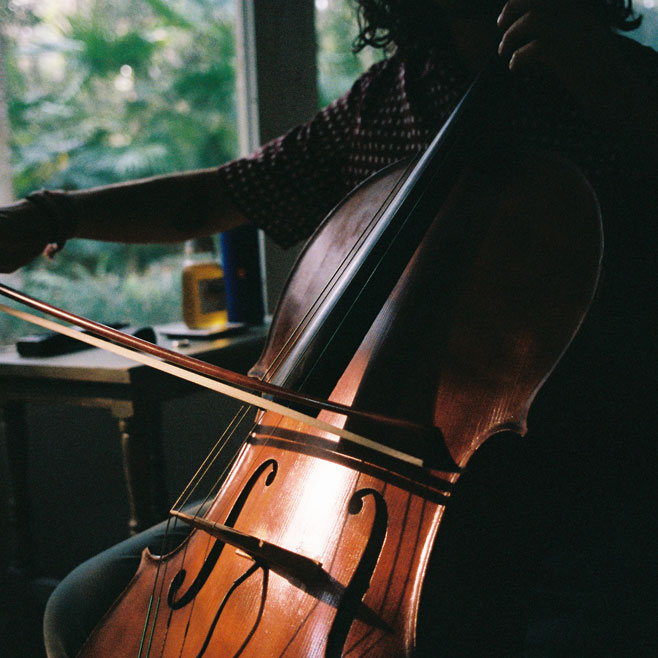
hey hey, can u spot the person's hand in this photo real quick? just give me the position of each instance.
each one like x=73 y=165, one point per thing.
x=563 y=36
x=24 y=235
x=575 y=44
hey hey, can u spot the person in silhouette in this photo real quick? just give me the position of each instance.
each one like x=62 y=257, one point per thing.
x=555 y=518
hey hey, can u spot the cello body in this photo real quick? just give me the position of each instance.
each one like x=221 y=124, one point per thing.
x=492 y=294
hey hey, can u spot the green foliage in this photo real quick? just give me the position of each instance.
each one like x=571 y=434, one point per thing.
x=123 y=89
x=169 y=15
x=120 y=89
x=145 y=297
x=103 y=52
x=338 y=66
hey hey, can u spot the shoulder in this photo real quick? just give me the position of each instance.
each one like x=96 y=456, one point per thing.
x=637 y=52
x=403 y=85
x=376 y=83
x=638 y=60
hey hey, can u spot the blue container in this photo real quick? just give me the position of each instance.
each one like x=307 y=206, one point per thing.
x=242 y=275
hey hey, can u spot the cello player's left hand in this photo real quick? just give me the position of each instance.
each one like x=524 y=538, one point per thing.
x=568 y=39
x=563 y=36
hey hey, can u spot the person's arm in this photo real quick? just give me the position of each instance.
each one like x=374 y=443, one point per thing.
x=160 y=209
x=285 y=188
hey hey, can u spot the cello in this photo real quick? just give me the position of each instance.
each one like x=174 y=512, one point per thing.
x=476 y=271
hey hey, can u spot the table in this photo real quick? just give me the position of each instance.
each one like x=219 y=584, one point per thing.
x=131 y=392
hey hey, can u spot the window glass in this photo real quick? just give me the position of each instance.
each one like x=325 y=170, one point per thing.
x=338 y=66
x=647 y=33
x=101 y=91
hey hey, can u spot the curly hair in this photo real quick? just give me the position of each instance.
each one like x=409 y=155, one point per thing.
x=394 y=23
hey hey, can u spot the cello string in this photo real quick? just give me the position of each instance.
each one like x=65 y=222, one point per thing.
x=373 y=271
x=291 y=340
x=430 y=147
x=317 y=304
x=162 y=575
x=204 y=381
x=153 y=599
x=306 y=319
x=273 y=367
x=96 y=342
x=377 y=265
x=219 y=447
x=347 y=260
x=212 y=457
x=331 y=283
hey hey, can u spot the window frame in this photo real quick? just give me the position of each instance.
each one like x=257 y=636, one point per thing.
x=276 y=90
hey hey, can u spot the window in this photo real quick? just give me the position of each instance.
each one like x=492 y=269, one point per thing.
x=100 y=91
x=647 y=33
x=338 y=67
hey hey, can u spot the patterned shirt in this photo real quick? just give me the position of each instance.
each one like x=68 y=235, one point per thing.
x=393 y=111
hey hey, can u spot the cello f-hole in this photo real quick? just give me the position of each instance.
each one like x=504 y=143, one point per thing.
x=360 y=581
x=218 y=546
x=244 y=577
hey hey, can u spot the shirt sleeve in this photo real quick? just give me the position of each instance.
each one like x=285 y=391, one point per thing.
x=288 y=185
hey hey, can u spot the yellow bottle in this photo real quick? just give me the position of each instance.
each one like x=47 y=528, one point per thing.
x=204 y=294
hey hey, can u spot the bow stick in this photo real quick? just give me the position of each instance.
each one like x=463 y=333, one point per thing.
x=166 y=360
